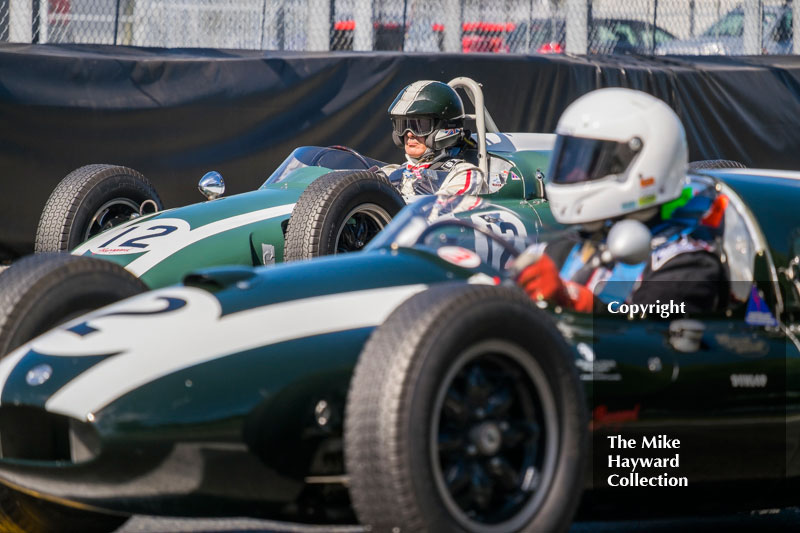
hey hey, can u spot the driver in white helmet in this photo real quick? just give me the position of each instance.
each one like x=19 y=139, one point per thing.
x=622 y=153
x=428 y=123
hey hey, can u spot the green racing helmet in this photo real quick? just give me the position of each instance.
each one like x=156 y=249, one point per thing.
x=429 y=109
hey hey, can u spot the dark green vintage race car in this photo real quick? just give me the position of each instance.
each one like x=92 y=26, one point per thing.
x=412 y=386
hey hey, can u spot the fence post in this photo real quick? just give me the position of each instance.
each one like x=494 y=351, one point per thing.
x=577 y=26
x=752 y=27
x=20 y=17
x=44 y=22
x=319 y=26
x=452 y=26
x=362 y=34
x=795 y=28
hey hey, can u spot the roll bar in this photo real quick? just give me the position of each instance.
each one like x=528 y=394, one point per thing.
x=483 y=120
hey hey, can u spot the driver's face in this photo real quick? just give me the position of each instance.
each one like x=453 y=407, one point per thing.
x=414 y=145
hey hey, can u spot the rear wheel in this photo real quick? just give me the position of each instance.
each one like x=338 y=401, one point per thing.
x=714 y=163
x=40 y=291
x=90 y=200
x=340 y=212
x=465 y=414
x=22 y=513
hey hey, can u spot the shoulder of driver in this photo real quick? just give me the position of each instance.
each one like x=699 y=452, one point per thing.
x=462 y=178
x=388 y=169
x=691 y=273
x=684 y=254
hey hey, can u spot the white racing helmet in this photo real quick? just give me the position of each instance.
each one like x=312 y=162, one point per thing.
x=618 y=151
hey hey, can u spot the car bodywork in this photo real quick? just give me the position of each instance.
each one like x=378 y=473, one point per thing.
x=157 y=403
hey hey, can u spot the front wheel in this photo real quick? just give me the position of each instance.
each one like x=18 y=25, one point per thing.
x=22 y=513
x=340 y=212
x=465 y=414
x=40 y=291
x=90 y=200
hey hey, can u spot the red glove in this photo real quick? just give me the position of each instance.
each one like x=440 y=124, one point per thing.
x=542 y=282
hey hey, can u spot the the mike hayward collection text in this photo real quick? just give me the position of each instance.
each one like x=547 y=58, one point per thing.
x=632 y=466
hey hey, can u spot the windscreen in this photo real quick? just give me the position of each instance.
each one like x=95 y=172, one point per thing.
x=451 y=224
x=316 y=156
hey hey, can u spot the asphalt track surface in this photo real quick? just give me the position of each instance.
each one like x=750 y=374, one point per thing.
x=768 y=521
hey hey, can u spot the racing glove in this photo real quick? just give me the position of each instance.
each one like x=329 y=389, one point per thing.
x=541 y=281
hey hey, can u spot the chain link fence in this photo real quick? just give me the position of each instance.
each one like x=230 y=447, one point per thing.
x=505 y=26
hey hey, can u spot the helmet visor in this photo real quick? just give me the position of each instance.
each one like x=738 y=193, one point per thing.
x=578 y=159
x=420 y=126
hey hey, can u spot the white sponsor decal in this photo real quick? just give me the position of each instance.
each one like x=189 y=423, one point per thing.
x=748 y=381
x=459 y=256
x=586 y=351
x=160 y=246
x=664 y=254
x=163 y=331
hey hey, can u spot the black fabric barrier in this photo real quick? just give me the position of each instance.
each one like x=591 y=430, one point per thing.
x=175 y=114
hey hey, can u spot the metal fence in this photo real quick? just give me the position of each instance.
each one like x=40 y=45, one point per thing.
x=502 y=26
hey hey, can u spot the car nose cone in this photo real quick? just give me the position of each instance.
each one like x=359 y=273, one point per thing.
x=38 y=375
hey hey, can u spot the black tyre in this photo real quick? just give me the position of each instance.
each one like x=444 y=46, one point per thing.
x=21 y=513
x=340 y=212
x=89 y=200
x=714 y=163
x=41 y=291
x=465 y=414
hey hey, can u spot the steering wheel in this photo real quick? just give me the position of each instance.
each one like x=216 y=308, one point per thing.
x=347 y=149
x=471 y=225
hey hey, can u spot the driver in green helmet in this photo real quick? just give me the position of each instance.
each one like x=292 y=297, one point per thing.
x=428 y=123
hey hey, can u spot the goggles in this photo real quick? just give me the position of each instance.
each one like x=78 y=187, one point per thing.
x=579 y=159
x=420 y=126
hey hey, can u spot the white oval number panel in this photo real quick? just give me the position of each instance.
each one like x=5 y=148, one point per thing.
x=138 y=238
x=459 y=256
x=507 y=225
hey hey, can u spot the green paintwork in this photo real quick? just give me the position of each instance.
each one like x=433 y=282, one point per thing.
x=334 y=275
x=527 y=162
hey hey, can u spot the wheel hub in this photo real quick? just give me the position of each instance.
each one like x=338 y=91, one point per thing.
x=487 y=437
x=360 y=226
x=493 y=437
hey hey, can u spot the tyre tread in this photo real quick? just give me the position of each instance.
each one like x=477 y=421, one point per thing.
x=29 y=279
x=304 y=233
x=707 y=164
